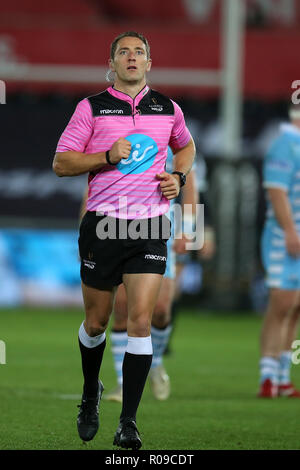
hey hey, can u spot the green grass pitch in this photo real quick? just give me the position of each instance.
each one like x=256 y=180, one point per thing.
x=214 y=375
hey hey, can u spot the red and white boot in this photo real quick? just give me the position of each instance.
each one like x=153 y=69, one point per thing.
x=268 y=389
x=288 y=390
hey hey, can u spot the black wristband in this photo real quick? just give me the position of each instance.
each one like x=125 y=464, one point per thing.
x=182 y=177
x=108 y=160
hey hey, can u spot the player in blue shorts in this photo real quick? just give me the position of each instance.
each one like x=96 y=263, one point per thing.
x=281 y=259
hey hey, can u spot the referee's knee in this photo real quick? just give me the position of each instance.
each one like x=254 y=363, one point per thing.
x=140 y=327
x=95 y=327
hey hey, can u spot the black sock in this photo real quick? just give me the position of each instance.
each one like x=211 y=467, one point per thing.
x=135 y=371
x=91 y=359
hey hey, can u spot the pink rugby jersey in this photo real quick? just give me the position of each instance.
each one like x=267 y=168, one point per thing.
x=151 y=122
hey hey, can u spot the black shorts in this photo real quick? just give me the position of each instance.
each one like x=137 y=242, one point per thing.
x=105 y=260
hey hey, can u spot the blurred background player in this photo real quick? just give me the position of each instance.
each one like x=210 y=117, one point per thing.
x=161 y=326
x=190 y=264
x=281 y=258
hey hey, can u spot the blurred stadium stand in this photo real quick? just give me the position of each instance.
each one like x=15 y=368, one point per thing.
x=32 y=13
x=184 y=36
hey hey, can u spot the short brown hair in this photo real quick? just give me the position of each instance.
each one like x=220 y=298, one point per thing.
x=132 y=34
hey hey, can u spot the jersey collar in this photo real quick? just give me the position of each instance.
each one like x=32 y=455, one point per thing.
x=123 y=96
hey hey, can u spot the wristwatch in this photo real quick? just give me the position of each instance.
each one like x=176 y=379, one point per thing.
x=182 y=177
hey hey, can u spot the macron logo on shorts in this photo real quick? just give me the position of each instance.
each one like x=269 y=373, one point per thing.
x=156 y=257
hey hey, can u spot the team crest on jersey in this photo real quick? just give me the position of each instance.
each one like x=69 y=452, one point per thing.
x=155 y=106
x=142 y=155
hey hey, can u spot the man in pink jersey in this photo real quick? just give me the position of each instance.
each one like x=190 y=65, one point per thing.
x=120 y=137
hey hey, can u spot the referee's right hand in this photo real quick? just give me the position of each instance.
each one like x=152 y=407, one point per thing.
x=120 y=149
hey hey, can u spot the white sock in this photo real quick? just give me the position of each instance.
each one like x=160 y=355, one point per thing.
x=160 y=339
x=285 y=362
x=89 y=341
x=139 y=345
x=269 y=369
x=119 y=340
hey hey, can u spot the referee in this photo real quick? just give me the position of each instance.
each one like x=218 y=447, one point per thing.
x=120 y=137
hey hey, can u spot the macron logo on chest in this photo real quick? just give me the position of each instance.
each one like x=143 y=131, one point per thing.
x=111 y=111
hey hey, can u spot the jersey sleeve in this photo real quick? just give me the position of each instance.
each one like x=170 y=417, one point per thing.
x=278 y=166
x=180 y=134
x=78 y=131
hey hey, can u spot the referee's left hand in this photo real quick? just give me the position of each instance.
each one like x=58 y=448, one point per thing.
x=169 y=184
